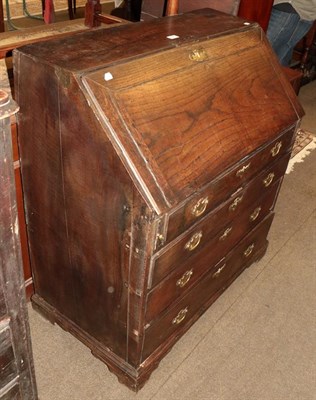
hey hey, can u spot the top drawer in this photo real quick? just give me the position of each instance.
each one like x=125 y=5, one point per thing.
x=228 y=182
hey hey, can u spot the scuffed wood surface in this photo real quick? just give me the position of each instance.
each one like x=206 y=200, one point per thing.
x=17 y=379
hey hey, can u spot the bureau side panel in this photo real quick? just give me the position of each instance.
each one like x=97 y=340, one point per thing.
x=78 y=212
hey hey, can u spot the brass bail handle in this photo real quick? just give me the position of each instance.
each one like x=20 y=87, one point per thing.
x=276 y=149
x=255 y=214
x=184 y=279
x=194 y=241
x=200 y=206
x=180 y=317
x=249 y=250
x=268 y=180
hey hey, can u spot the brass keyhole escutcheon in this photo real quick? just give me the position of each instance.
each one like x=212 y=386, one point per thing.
x=217 y=272
x=184 y=279
x=200 y=207
x=235 y=203
x=249 y=250
x=276 y=149
x=198 y=55
x=243 y=170
x=194 y=241
x=255 y=214
x=268 y=180
x=180 y=317
x=226 y=233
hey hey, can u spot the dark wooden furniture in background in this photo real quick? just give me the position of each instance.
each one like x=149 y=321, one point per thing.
x=295 y=77
x=158 y=8
x=256 y=10
x=5 y=85
x=154 y=178
x=1 y=17
x=20 y=208
x=308 y=42
x=305 y=55
x=94 y=16
x=17 y=380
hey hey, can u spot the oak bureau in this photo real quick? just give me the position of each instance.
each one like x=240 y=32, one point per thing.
x=152 y=155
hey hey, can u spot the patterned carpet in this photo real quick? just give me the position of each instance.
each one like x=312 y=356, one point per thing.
x=305 y=142
x=303 y=139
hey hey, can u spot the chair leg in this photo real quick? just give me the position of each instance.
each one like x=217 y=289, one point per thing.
x=43 y=7
x=70 y=10
x=10 y=24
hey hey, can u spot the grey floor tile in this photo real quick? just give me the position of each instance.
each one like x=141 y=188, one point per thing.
x=304 y=178
x=264 y=346
x=307 y=98
x=309 y=120
x=308 y=92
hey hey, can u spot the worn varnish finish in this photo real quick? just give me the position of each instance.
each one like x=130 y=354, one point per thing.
x=17 y=379
x=150 y=167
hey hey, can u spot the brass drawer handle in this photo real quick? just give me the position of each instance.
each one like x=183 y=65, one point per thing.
x=180 y=317
x=226 y=233
x=200 y=206
x=194 y=241
x=242 y=170
x=268 y=180
x=276 y=149
x=184 y=279
x=235 y=203
x=255 y=214
x=217 y=273
x=198 y=55
x=249 y=250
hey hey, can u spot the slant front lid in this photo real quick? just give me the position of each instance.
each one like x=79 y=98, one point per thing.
x=180 y=117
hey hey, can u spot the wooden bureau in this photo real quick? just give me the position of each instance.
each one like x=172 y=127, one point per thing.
x=152 y=155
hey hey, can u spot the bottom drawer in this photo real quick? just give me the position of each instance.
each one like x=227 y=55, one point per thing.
x=179 y=317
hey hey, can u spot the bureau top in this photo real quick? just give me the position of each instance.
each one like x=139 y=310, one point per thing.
x=181 y=98
x=95 y=48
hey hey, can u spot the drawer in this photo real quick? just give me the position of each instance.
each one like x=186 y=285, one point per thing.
x=187 y=273
x=8 y=368
x=228 y=182
x=197 y=236
x=178 y=318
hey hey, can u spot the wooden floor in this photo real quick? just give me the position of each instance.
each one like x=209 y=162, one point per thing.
x=18 y=20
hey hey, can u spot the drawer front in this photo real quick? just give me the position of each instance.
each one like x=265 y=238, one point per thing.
x=187 y=273
x=199 y=235
x=178 y=318
x=203 y=202
x=8 y=368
